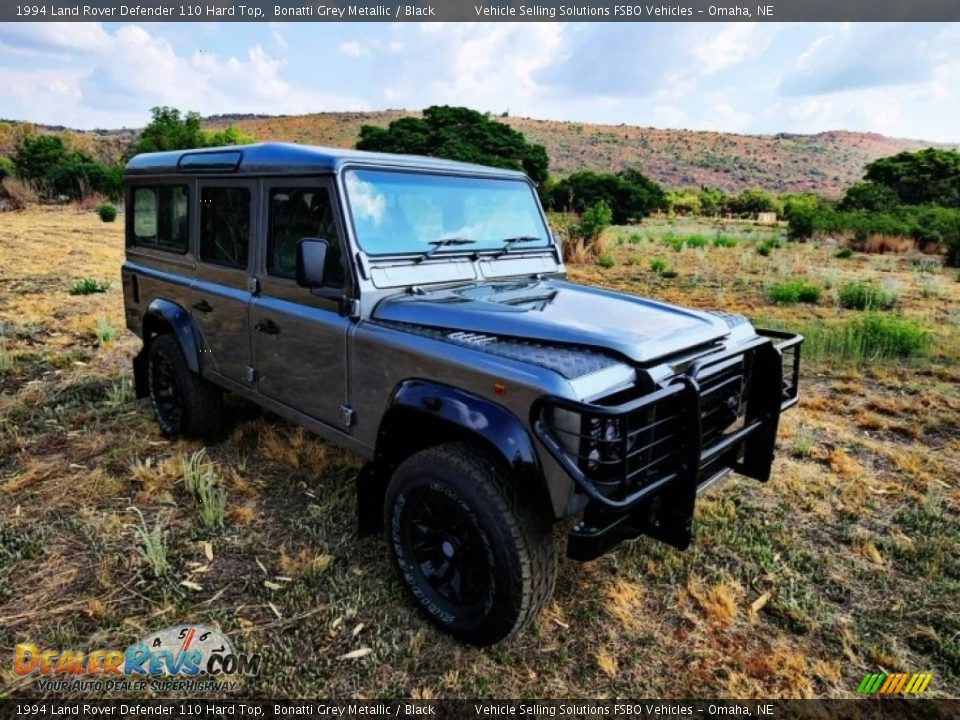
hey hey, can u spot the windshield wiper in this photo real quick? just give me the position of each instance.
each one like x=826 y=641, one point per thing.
x=508 y=243
x=442 y=243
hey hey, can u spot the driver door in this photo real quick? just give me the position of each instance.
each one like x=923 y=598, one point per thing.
x=298 y=336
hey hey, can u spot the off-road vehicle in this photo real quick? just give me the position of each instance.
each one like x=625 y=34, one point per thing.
x=416 y=311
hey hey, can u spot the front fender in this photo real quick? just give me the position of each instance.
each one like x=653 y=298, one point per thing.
x=500 y=428
x=423 y=413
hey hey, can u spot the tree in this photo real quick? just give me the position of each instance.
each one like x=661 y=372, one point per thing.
x=711 y=201
x=630 y=196
x=751 y=202
x=458 y=133
x=34 y=157
x=927 y=177
x=869 y=196
x=54 y=170
x=594 y=221
x=169 y=130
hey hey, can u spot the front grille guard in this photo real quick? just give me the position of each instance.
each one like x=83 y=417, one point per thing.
x=620 y=456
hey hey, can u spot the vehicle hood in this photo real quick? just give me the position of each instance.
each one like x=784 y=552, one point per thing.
x=560 y=312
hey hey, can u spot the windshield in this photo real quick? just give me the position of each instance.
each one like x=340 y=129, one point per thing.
x=406 y=212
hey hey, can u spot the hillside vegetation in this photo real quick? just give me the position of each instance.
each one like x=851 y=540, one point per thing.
x=825 y=163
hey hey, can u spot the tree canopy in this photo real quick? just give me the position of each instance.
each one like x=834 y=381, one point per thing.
x=927 y=177
x=630 y=195
x=47 y=163
x=458 y=133
x=169 y=130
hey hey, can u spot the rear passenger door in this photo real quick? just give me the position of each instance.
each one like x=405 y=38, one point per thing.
x=221 y=294
x=299 y=336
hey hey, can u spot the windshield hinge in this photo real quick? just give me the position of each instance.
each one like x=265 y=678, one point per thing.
x=253 y=285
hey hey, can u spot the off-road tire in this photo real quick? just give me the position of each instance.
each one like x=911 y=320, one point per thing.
x=200 y=402
x=516 y=548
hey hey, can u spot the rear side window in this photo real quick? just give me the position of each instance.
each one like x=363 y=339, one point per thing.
x=225 y=225
x=161 y=218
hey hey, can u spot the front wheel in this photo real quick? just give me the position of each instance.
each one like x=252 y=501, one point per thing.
x=478 y=564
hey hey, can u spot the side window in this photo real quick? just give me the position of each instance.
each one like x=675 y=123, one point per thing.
x=225 y=225
x=160 y=218
x=297 y=213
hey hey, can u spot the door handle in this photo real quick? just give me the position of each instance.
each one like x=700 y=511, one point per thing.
x=267 y=327
x=202 y=306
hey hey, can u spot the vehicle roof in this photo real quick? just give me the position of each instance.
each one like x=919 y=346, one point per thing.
x=276 y=158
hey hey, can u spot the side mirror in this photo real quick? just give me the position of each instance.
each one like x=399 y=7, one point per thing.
x=311 y=258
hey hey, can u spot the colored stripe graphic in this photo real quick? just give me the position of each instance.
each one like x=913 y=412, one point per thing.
x=883 y=684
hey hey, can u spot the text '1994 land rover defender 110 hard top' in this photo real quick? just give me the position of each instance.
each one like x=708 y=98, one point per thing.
x=416 y=311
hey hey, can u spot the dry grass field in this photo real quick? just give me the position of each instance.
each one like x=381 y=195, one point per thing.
x=848 y=561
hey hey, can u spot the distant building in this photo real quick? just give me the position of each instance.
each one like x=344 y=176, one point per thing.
x=767 y=218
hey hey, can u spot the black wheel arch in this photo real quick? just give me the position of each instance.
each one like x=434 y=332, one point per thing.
x=424 y=413
x=165 y=317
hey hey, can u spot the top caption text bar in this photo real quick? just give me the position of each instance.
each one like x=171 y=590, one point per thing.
x=478 y=11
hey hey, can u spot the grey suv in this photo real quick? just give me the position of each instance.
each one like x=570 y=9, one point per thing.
x=416 y=311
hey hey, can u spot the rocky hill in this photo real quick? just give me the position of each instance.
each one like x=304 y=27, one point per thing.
x=825 y=163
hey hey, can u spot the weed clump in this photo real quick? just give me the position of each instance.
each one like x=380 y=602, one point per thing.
x=89 y=286
x=790 y=293
x=865 y=296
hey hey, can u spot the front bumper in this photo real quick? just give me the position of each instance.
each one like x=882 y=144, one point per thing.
x=641 y=463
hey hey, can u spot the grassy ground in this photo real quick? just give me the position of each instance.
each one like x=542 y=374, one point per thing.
x=848 y=561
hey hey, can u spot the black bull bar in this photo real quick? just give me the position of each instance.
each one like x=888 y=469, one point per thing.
x=642 y=463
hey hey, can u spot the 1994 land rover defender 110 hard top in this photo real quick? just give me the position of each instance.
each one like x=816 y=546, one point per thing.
x=416 y=311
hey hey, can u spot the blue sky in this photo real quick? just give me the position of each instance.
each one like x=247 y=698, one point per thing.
x=895 y=79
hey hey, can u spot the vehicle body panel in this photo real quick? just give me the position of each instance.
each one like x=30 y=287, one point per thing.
x=560 y=312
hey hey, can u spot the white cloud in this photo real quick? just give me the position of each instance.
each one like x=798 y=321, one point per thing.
x=893 y=78
x=114 y=77
x=351 y=48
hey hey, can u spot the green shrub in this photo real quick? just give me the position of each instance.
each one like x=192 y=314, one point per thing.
x=792 y=292
x=107 y=212
x=89 y=286
x=885 y=336
x=764 y=248
x=724 y=241
x=633 y=260
x=872 y=337
x=845 y=252
x=594 y=221
x=658 y=265
x=866 y=296
x=696 y=241
x=673 y=241
x=606 y=260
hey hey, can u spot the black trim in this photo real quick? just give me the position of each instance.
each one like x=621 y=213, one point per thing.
x=644 y=476
x=456 y=415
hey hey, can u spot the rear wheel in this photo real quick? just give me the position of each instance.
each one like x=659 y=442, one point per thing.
x=478 y=564
x=183 y=402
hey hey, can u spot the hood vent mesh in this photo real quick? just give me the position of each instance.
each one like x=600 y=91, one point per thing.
x=571 y=361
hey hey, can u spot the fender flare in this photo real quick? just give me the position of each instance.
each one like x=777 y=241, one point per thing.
x=179 y=320
x=467 y=416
